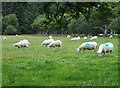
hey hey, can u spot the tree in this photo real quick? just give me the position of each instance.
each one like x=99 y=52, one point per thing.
x=10 y=19
x=10 y=30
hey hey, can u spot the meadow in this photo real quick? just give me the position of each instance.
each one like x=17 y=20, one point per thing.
x=42 y=66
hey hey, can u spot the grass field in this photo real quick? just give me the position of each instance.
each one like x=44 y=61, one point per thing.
x=42 y=66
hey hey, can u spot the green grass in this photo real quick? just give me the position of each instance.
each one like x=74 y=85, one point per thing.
x=42 y=66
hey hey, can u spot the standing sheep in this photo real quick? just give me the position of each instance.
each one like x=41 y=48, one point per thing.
x=104 y=48
x=5 y=38
x=85 y=38
x=111 y=37
x=87 y=46
x=56 y=43
x=50 y=37
x=22 y=43
x=47 y=42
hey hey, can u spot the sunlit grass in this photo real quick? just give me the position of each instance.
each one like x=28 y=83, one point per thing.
x=42 y=66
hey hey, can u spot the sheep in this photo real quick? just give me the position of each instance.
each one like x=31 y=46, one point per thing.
x=16 y=34
x=87 y=46
x=54 y=44
x=50 y=37
x=104 y=48
x=76 y=38
x=111 y=37
x=101 y=34
x=47 y=42
x=94 y=38
x=5 y=38
x=85 y=38
x=22 y=43
x=68 y=36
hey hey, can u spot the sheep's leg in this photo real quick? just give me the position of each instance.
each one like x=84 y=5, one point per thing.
x=104 y=54
x=110 y=53
x=94 y=50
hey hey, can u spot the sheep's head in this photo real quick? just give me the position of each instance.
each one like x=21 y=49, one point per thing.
x=99 y=53
x=78 y=50
x=14 y=45
x=47 y=46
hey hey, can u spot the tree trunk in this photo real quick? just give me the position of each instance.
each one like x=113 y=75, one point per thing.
x=105 y=31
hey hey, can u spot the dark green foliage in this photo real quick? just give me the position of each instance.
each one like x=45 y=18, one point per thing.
x=10 y=30
x=97 y=16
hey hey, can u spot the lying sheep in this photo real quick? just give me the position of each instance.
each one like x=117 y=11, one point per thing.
x=22 y=43
x=85 y=38
x=87 y=46
x=111 y=37
x=76 y=38
x=5 y=38
x=47 y=42
x=56 y=43
x=104 y=48
x=68 y=36
x=101 y=34
x=50 y=37
x=16 y=34
x=94 y=38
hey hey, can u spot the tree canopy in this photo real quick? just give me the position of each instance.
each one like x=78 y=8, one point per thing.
x=60 y=17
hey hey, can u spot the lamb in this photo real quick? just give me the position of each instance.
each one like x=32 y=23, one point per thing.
x=104 y=48
x=22 y=43
x=87 y=46
x=111 y=37
x=54 y=44
x=50 y=37
x=101 y=34
x=47 y=42
x=5 y=38
x=94 y=38
x=76 y=38
x=68 y=36
x=85 y=38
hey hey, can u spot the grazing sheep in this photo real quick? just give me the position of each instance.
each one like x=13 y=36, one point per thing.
x=5 y=38
x=68 y=36
x=111 y=37
x=47 y=42
x=76 y=38
x=22 y=43
x=54 y=44
x=94 y=38
x=87 y=46
x=85 y=38
x=104 y=48
x=50 y=37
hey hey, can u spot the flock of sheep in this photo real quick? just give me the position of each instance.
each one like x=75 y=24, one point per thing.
x=103 y=48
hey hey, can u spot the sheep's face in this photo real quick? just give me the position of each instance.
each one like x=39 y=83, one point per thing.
x=99 y=54
x=47 y=46
x=78 y=50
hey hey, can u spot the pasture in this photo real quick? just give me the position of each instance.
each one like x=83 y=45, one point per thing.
x=42 y=66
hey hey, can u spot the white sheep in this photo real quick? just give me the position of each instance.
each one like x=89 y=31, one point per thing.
x=101 y=34
x=16 y=34
x=22 y=43
x=87 y=46
x=94 y=38
x=76 y=38
x=54 y=44
x=85 y=38
x=47 y=42
x=111 y=37
x=5 y=38
x=68 y=36
x=50 y=37
x=104 y=48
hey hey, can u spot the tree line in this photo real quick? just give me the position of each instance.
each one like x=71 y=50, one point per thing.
x=60 y=17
